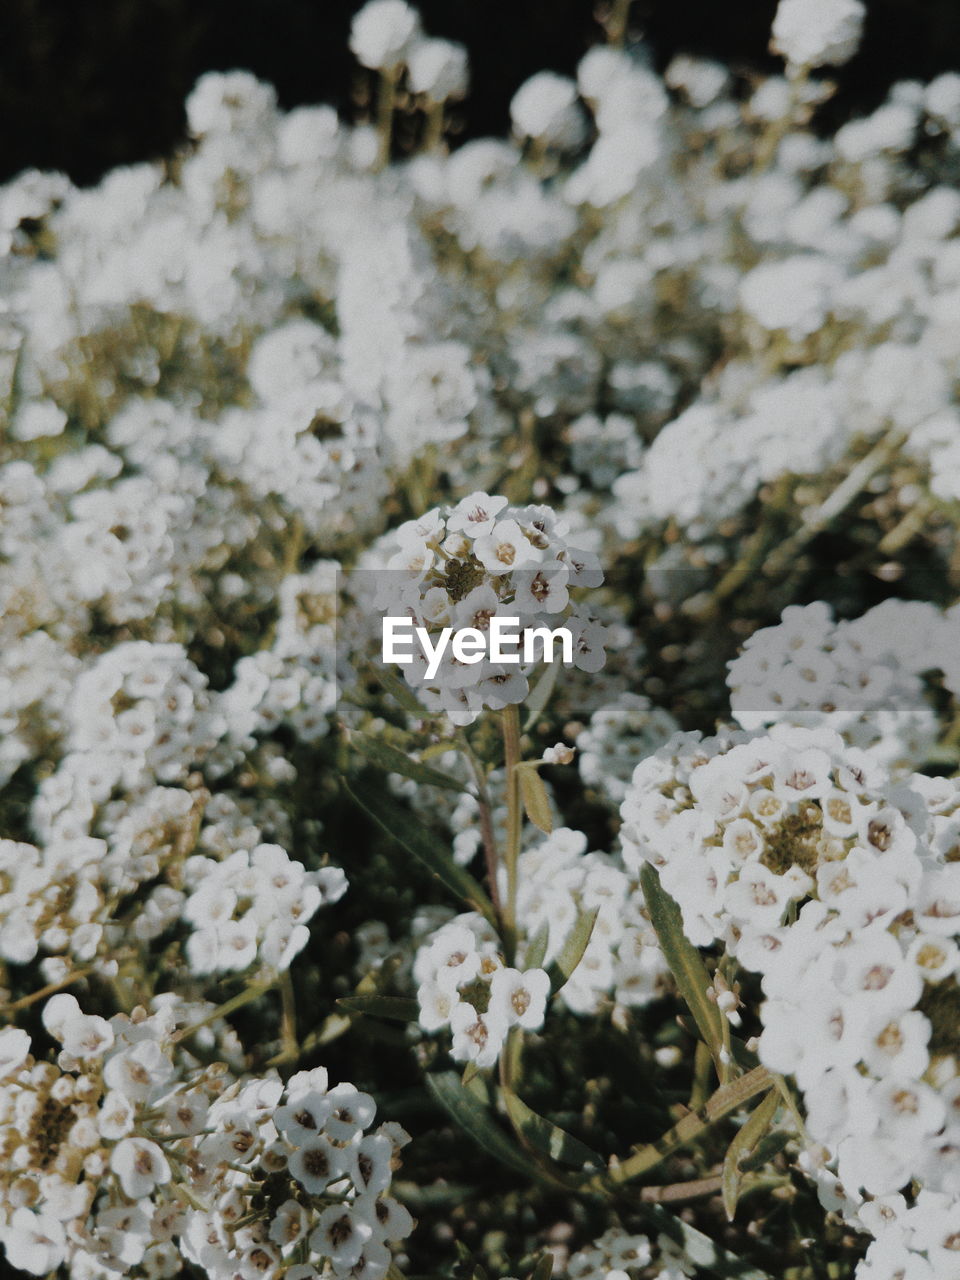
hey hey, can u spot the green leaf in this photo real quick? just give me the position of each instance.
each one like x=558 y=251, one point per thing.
x=470 y=1115
x=766 y=1149
x=571 y=953
x=540 y=693
x=545 y=1136
x=427 y=848
x=401 y=692
x=386 y=756
x=537 y=947
x=397 y=1008
x=544 y=1268
x=746 y=1139
x=684 y=960
x=535 y=799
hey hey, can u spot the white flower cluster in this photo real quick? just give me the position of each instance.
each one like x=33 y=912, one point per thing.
x=461 y=566
x=127 y=1157
x=623 y=962
x=618 y=736
x=464 y=985
x=558 y=880
x=860 y=678
x=292 y=682
x=618 y=1254
x=386 y=34
x=839 y=885
x=816 y=33
x=253 y=908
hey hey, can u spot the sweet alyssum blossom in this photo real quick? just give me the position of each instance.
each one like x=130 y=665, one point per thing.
x=187 y=1183
x=473 y=567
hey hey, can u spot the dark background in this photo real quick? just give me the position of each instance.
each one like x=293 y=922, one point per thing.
x=89 y=84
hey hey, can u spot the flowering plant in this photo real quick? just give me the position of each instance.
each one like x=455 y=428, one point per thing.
x=647 y=960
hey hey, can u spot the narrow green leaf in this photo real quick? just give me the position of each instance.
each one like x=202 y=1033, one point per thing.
x=766 y=1149
x=544 y=1268
x=470 y=1115
x=401 y=692
x=427 y=848
x=535 y=799
x=746 y=1139
x=571 y=953
x=386 y=756
x=544 y=1135
x=684 y=960
x=537 y=947
x=540 y=693
x=396 y=1008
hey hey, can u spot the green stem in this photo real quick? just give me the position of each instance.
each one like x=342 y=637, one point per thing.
x=511 y=758
x=289 y=1044
x=385 y=103
x=491 y=855
x=727 y=1098
x=246 y=996
x=837 y=502
x=50 y=989
x=433 y=133
x=616 y=23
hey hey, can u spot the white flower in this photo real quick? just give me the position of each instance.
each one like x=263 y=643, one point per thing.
x=477 y=1037
x=350 y=1112
x=519 y=999
x=543 y=589
x=436 y=1005
x=816 y=33
x=14 y=1048
x=382 y=32
x=117 y=1115
x=138 y=1070
x=38 y=418
x=289 y=1223
x=316 y=1164
x=438 y=68
x=476 y=514
x=86 y=1036
x=34 y=1242
x=794 y=295
x=140 y=1166
x=545 y=107
x=340 y=1235
x=371 y=1158
x=505 y=548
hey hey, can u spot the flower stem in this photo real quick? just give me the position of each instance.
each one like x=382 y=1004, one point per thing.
x=385 y=103
x=49 y=990
x=246 y=996
x=511 y=758
x=616 y=23
x=727 y=1098
x=491 y=854
x=290 y=1048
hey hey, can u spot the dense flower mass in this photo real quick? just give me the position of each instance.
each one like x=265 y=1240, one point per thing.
x=267 y=1174
x=655 y=948
x=482 y=559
